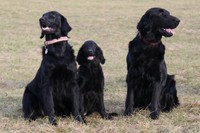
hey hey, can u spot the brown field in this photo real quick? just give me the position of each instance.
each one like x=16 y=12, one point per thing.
x=112 y=24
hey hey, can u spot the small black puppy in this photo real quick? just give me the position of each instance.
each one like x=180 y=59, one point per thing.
x=54 y=90
x=148 y=84
x=91 y=79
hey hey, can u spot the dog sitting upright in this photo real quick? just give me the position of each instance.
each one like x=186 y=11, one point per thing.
x=148 y=84
x=91 y=79
x=54 y=90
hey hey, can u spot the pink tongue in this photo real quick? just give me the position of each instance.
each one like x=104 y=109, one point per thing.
x=90 y=58
x=170 y=31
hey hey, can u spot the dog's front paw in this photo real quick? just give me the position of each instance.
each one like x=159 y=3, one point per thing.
x=53 y=121
x=80 y=119
x=108 y=117
x=128 y=112
x=154 y=115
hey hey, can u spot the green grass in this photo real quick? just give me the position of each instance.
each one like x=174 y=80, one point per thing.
x=112 y=24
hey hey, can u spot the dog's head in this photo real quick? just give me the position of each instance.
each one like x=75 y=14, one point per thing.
x=90 y=52
x=55 y=24
x=157 y=22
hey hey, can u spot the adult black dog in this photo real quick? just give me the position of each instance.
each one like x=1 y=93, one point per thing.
x=148 y=83
x=54 y=90
x=91 y=79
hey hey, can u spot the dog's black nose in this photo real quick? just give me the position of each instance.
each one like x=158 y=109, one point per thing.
x=90 y=51
x=177 y=20
x=42 y=19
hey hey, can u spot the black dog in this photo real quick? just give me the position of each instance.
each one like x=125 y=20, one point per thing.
x=91 y=79
x=148 y=83
x=54 y=90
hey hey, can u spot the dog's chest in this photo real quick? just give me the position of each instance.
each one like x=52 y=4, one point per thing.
x=93 y=84
x=94 y=81
x=60 y=80
x=149 y=56
x=148 y=63
x=91 y=78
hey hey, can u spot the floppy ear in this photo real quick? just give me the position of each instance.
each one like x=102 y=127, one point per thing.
x=42 y=35
x=145 y=24
x=65 y=27
x=100 y=55
x=80 y=56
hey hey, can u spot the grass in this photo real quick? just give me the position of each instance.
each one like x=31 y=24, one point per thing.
x=112 y=24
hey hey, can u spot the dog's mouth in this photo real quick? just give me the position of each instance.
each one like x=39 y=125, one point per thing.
x=91 y=57
x=47 y=29
x=167 y=32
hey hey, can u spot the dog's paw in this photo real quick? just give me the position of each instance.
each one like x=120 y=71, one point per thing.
x=108 y=117
x=80 y=119
x=154 y=115
x=53 y=121
x=128 y=112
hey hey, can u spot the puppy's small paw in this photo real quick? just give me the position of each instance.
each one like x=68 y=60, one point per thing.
x=80 y=119
x=154 y=115
x=108 y=117
x=53 y=121
x=128 y=112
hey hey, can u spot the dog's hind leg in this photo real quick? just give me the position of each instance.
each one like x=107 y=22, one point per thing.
x=169 y=97
x=129 y=105
x=27 y=104
x=30 y=106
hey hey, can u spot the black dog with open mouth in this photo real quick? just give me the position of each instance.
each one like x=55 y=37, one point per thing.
x=148 y=84
x=54 y=90
x=91 y=79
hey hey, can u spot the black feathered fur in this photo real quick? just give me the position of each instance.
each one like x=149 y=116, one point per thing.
x=54 y=90
x=91 y=79
x=148 y=84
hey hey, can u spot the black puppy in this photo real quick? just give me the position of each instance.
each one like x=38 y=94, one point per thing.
x=148 y=83
x=54 y=90
x=91 y=79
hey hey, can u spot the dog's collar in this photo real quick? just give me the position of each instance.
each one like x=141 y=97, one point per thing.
x=148 y=41
x=64 y=38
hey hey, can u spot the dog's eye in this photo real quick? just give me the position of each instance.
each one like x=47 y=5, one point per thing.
x=94 y=47
x=163 y=14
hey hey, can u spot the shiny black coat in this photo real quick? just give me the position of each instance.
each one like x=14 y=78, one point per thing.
x=54 y=90
x=91 y=79
x=148 y=84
